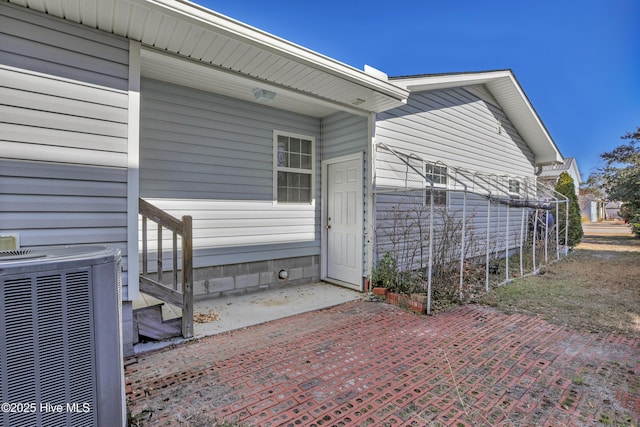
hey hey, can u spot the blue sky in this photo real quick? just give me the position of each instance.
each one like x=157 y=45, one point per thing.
x=577 y=61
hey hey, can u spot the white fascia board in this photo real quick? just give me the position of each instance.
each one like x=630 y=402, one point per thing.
x=547 y=143
x=576 y=171
x=208 y=19
x=445 y=81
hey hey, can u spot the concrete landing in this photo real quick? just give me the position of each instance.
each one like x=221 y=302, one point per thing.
x=252 y=309
x=237 y=312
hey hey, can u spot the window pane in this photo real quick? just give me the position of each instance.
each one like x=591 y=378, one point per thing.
x=282 y=194
x=294 y=161
x=305 y=147
x=439 y=197
x=436 y=173
x=294 y=187
x=293 y=180
x=294 y=145
x=305 y=162
x=282 y=153
x=305 y=195
x=305 y=181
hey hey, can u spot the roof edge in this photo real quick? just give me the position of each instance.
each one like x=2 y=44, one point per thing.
x=420 y=82
x=270 y=42
x=426 y=82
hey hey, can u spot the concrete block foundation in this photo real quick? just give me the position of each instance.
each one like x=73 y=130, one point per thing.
x=236 y=279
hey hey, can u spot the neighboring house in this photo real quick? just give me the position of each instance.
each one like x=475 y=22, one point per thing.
x=275 y=151
x=612 y=210
x=592 y=207
x=550 y=173
x=479 y=140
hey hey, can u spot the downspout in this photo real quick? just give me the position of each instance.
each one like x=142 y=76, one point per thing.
x=488 y=245
x=371 y=195
x=566 y=231
x=522 y=242
x=558 y=231
x=506 y=249
x=535 y=236
x=133 y=173
x=429 y=280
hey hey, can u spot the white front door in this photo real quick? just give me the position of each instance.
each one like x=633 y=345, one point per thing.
x=344 y=222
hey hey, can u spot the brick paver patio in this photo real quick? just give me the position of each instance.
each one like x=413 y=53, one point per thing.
x=365 y=363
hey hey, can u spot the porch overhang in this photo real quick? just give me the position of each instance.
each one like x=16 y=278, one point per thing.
x=239 y=57
x=507 y=92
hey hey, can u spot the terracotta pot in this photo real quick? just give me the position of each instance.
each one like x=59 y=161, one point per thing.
x=379 y=291
x=418 y=307
x=404 y=301
x=392 y=298
x=420 y=298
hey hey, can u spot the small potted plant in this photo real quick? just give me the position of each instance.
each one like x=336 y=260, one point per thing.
x=384 y=276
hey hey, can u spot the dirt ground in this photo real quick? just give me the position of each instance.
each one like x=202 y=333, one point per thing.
x=561 y=349
x=595 y=289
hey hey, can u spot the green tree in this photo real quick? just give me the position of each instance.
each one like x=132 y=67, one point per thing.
x=621 y=178
x=566 y=187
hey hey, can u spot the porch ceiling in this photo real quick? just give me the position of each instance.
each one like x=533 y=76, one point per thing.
x=304 y=80
x=169 y=68
x=507 y=91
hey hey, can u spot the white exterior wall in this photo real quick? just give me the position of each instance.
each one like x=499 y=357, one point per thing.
x=463 y=128
x=63 y=132
x=459 y=128
x=211 y=157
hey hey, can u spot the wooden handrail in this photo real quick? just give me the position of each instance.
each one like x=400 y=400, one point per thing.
x=156 y=288
x=159 y=216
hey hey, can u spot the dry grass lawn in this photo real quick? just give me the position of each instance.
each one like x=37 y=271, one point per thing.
x=596 y=288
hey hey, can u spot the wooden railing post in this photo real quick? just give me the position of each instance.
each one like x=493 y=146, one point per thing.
x=156 y=288
x=187 y=277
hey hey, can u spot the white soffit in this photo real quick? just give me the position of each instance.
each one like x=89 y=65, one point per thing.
x=201 y=35
x=507 y=92
x=169 y=68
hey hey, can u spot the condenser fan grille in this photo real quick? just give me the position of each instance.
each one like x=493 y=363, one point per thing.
x=20 y=254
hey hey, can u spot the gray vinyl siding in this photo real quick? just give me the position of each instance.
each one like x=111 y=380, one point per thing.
x=344 y=134
x=464 y=129
x=63 y=132
x=211 y=157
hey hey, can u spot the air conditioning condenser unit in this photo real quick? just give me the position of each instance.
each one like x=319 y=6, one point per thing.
x=61 y=358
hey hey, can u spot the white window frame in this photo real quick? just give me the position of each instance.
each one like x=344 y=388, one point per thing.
x=436 y=187
x=311 y=172
x=515 y=183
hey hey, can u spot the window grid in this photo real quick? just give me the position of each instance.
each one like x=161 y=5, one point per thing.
x=514 y=186
x=438 y=175
x=294 y=167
